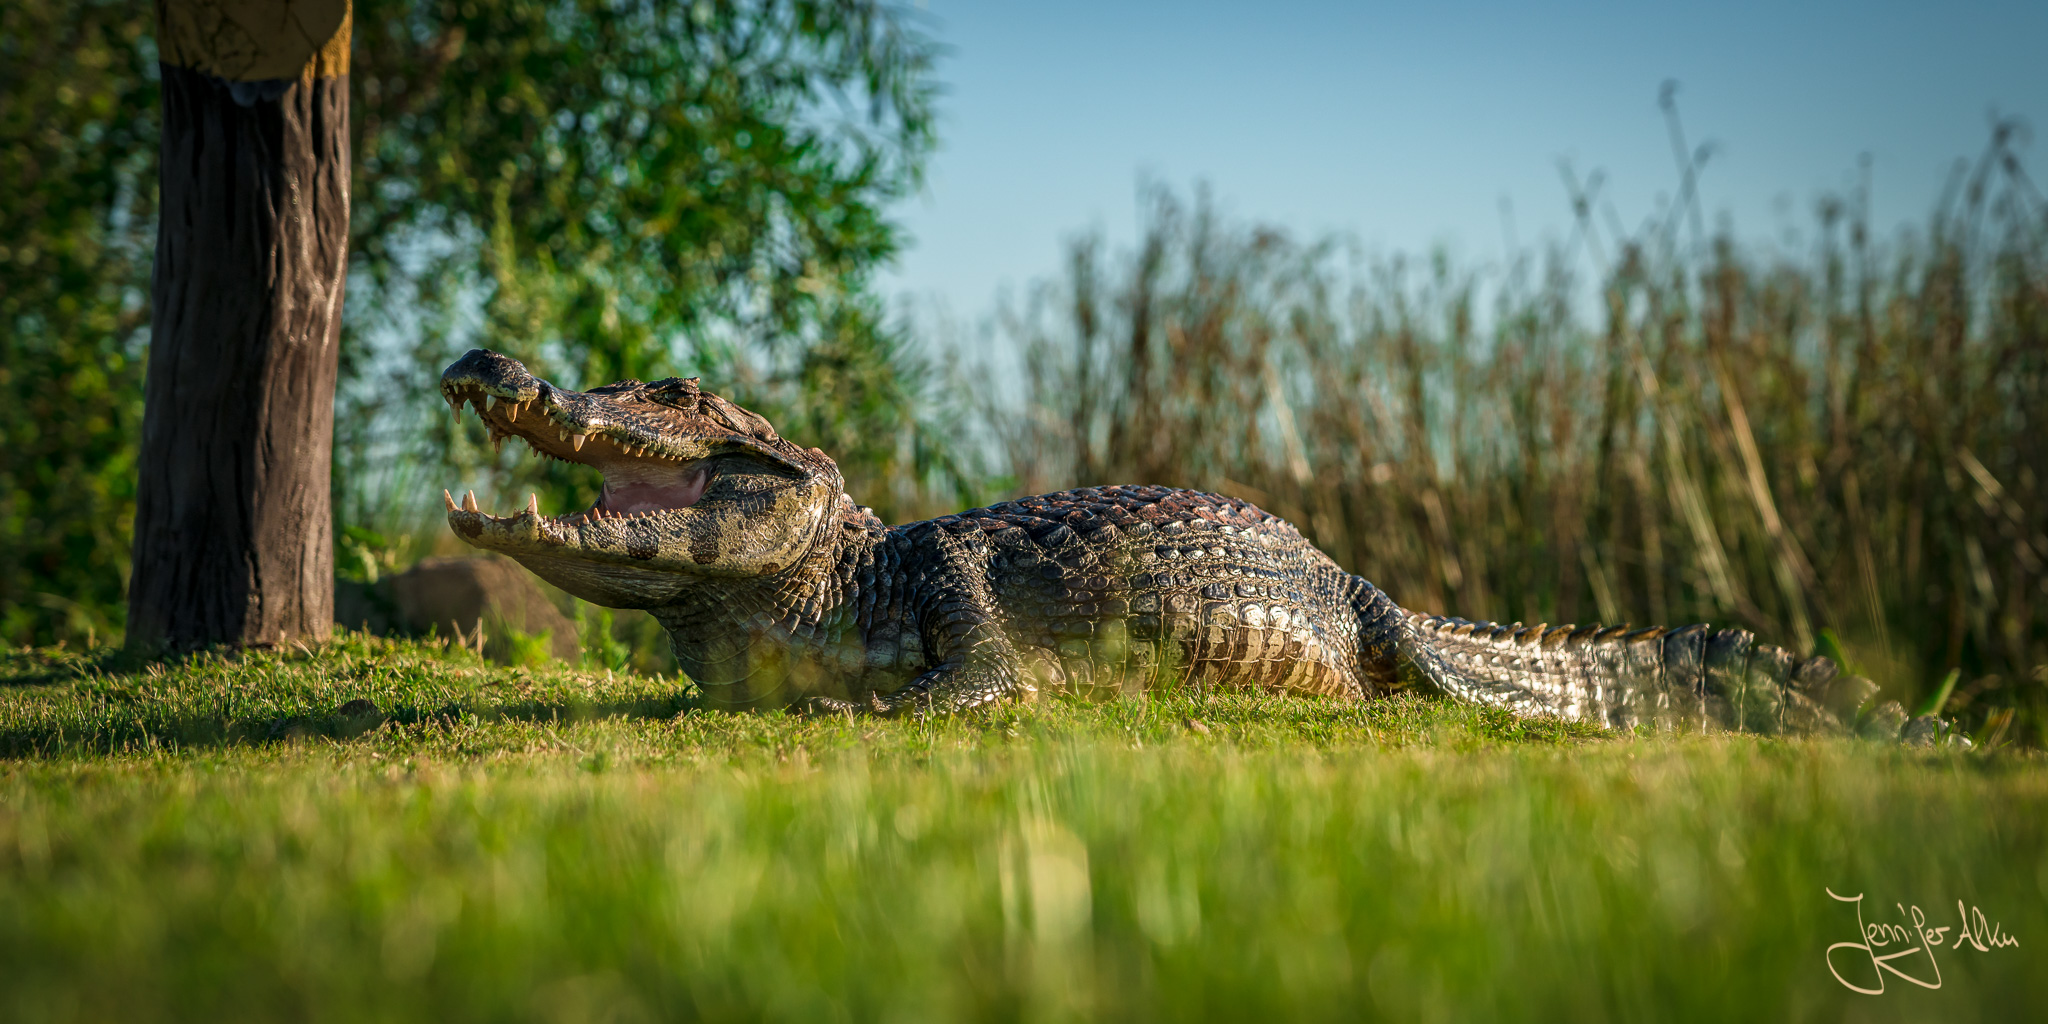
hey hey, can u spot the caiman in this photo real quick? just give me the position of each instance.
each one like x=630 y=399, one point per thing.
x=778 y=591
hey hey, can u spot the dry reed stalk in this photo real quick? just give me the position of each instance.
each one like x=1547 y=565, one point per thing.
x=1873 y=471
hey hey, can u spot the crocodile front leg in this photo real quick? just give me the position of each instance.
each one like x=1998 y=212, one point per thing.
x=969 y=659
x=974 y=661
x=977 y=663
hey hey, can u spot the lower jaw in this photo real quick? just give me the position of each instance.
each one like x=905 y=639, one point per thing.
x=602 y=581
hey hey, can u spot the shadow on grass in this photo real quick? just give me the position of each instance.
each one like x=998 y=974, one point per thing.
x=48 y=677
x=26 y=669
x=145 y=733
x=30 y=667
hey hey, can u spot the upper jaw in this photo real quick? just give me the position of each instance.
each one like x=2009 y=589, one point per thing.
x=654 y=443
x=619 y=425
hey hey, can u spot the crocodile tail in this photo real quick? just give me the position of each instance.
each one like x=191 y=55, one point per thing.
x=1690 y=677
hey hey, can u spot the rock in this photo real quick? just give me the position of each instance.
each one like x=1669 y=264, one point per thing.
x=1931 y=731
x=1805 y=717
x=1847 y=696
x=453 y=597
x=1921 y=731
x=357 y=717
x=1813 y=675
x=1885 y=722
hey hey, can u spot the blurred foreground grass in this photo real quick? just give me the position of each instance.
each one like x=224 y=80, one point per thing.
x=233 y=838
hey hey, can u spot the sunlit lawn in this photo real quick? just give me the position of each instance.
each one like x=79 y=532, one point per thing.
x=232 y=839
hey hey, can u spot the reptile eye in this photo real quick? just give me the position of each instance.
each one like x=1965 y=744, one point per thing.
x=674 y=392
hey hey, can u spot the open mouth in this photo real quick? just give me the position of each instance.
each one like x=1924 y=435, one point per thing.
x=640 y=476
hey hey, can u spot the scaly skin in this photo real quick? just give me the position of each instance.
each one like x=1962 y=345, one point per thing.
x=777 y=590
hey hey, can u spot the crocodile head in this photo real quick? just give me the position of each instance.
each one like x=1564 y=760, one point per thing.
x=694 y=486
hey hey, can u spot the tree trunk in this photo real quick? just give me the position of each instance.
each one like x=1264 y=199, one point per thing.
x=233 y=532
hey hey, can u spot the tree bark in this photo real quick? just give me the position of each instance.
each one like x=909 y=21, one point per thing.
x=233 y=529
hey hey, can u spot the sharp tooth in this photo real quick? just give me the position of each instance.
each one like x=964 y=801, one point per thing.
x=561 y=435
x=511 y=412
x=449 y=498
x=498 y=444
x=578 y=441
x=532 y=504
x=469 y=502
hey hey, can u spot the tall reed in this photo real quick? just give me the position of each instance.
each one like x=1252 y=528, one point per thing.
x=1843 y=450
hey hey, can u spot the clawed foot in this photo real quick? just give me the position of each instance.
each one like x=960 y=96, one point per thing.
x=874 y=705
x=829 y=706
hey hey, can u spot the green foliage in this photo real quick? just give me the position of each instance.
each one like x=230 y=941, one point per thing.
x=532 y=650
x=636 y=190
x=1828 y=645
x=78 y=126
x=606 y=189
x=615 y=173
x=237 y=837
x=1937 y=699
x=363 y=555
x=602 y=647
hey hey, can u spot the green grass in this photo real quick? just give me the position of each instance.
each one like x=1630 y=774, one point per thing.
x=219 y=840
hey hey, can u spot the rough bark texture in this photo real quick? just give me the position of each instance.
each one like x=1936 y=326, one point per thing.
x=233 y=538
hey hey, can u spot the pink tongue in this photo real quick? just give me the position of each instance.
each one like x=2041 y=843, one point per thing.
x=627 y=498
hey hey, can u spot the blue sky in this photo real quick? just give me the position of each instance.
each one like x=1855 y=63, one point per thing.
x=1407 y=126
